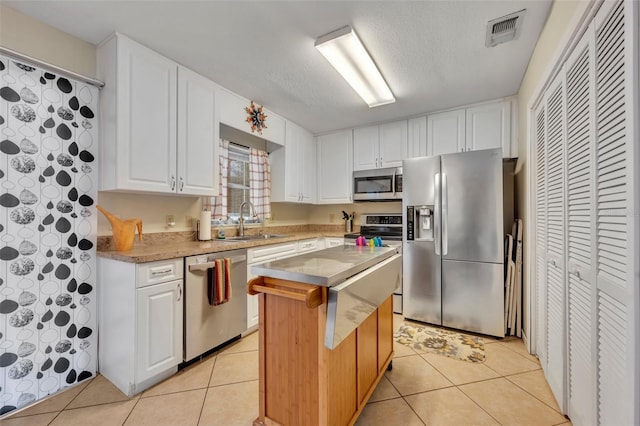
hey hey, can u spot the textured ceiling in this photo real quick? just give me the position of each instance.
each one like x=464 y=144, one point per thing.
x=431 y=53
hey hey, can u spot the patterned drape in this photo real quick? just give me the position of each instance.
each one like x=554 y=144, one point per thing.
x=219 y=204
x=47 y=233
x=260 y=178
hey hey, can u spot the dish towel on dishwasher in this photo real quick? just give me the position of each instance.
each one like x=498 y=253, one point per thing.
x=219 y=282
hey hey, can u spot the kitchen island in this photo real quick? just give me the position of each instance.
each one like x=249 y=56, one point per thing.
x=326 y=333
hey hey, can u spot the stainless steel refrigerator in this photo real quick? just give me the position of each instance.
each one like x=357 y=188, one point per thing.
x=453 y=241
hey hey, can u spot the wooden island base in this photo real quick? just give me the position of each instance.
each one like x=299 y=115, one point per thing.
x=301 y=381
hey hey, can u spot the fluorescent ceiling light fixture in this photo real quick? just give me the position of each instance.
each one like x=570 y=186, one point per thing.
x=344 y=50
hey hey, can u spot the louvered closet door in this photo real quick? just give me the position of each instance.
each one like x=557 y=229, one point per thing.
x=580 y=86
x=541 y=234
x=556 y=141
x=615 y=53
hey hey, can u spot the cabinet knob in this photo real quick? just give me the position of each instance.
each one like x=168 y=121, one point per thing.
x=173 y=183
x=181 y=184
x=179 y=292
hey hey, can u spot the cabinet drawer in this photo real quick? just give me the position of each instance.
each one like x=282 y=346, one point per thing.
x=309 y=245
x=333 y=241
x=264 y=254
x=159 y=272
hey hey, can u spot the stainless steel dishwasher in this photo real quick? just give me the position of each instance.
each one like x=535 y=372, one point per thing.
x=206 y=326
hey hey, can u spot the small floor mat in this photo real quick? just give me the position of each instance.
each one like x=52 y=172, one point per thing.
x=442 y=342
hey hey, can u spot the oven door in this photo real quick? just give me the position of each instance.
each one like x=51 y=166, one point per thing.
x=379 y=184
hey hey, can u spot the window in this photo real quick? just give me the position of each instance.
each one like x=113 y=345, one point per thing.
x=238 y=179
x=245 y=175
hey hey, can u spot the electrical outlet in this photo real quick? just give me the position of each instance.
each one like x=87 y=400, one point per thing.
x=332 y=217
x=171 y=222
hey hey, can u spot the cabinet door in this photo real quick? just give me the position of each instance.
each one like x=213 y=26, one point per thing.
x=366 y=142
x=197 y=135
x=367 y=352
x=489 y=126
x=446 y=132
x=335 y=168
x=252 y=302
x=293 y=152
x=307 y=167
x=393 y=143
x=385 y=332
x=146 y=111
x=417 y=137
x=159 y=329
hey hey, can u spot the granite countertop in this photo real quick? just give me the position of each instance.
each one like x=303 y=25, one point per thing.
x=326 y=267
x=144 y=252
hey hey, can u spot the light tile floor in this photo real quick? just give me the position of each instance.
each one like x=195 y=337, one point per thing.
x=421 y=389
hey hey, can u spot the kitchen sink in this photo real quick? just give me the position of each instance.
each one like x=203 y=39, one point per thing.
x=254 y=237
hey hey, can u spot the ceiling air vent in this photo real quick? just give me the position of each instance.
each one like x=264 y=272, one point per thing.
x=505 y=28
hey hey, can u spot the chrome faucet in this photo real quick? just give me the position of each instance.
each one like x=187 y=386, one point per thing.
x=241 y=221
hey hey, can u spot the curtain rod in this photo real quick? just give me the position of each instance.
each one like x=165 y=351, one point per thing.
x=54 y=68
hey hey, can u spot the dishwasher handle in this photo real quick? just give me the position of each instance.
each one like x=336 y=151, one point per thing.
x=207 y=265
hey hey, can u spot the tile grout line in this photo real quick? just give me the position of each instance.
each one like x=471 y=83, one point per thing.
x=448 y=387
x=467 y=383
x=507 y=377
x=206 y=392
x=213 y=368
x=478 y=405
x=414 y=411
x=129 y=414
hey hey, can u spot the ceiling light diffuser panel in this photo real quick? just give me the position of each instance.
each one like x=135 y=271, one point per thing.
x=346 y=53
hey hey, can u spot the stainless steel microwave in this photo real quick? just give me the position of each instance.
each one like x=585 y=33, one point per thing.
x=378 y=184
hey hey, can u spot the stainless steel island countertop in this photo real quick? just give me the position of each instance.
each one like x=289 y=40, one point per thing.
x=327 y=267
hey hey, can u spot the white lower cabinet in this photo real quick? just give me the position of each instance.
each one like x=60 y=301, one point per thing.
x=140 y=321
x=333 y=242
x=159 y=328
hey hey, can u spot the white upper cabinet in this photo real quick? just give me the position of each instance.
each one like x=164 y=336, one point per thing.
x=393 y=143
x=417 y=137
x=140 y=122
x=380 y=146
x=489 y=126
x=197 y=135
x=366 y=141
x=335 y=167
x=471 y=129
x=138 y=117
x=307 y=168
x=232 y=112
x=445 y=132
x=293 y=168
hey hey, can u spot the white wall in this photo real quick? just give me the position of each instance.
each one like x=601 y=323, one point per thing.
x=31 y=37
x=561 y=15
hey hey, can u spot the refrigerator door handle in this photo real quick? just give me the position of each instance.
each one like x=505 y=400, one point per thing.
x=436 y=214
x=445 y=212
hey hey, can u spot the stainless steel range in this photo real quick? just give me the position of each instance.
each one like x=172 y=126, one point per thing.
x=387 y=226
